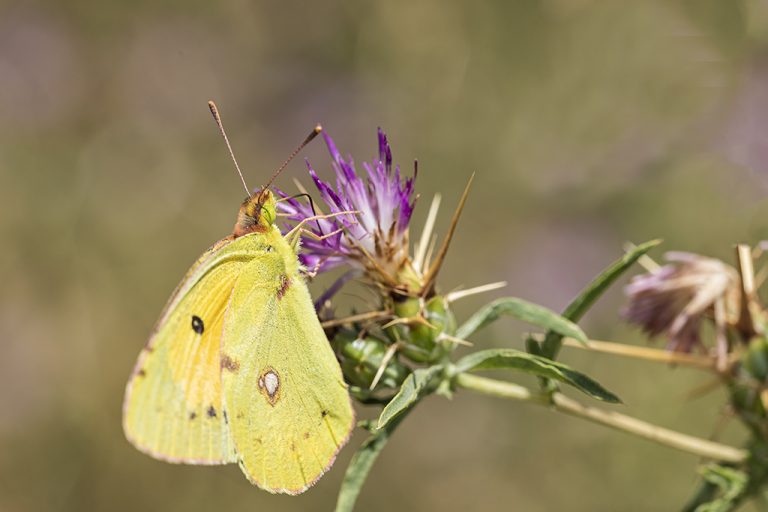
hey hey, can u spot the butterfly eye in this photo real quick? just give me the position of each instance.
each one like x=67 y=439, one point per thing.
x=268 y=215
x=269 y=248
x=197 y=324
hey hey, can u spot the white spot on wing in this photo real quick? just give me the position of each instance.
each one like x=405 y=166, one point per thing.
x=271 y=382
x=269 y=385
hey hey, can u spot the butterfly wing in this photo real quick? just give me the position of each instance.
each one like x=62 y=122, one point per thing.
x=290 y=412
x=173 y=403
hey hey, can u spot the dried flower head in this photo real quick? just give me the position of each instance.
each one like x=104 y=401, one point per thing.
x=674 y=299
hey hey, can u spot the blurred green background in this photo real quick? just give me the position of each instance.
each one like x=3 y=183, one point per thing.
x=588 y=124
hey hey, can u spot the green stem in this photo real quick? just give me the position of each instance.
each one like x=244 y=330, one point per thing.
x=706 y=492
x=618 y=421
x=361 y=464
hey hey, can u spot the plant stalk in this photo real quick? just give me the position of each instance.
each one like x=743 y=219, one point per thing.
x=646 y=353
x=615 y=420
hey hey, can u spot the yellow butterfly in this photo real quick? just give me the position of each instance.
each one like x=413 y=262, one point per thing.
x=238 y=368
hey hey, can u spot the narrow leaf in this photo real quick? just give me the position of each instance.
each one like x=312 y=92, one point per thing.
x=522 y=310
x=361 y=464
x=417 y=385
x=502 y=358
x=581 y=304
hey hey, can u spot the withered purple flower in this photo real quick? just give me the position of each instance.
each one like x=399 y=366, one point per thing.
x=375 y=238
x=673 y=300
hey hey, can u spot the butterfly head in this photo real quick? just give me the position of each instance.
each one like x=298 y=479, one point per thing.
x=257 y=213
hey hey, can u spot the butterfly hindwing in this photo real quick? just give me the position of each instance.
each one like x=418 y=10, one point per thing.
x=173 y=406
x=289 y=409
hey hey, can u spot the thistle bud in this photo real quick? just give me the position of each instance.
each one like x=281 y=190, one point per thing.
x=361 y=359
x=423 y=333
x=755 y=359
x=747 y=402
x=749 y=395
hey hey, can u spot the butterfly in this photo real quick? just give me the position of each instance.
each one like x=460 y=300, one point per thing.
x=238 y=368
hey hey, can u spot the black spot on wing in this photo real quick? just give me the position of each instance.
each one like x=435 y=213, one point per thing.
x=197 y=324
x=211 y=412
x=192 y=415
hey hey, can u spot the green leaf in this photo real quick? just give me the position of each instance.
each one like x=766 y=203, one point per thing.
x=361 y=464
x=581 y=304
x=522 y=310
x=502 y=358
x=416 y=386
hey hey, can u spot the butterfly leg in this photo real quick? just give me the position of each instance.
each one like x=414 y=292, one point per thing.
x=312 y=273
x=320 y=238
x=311 y=234
x=294 y=233
x=315 y=236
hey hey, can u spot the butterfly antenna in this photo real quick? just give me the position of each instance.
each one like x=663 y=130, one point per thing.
x=311 y=205
x=314 y=133
x=217 y=118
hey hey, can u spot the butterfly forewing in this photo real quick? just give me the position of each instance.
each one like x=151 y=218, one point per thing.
x=173 y=406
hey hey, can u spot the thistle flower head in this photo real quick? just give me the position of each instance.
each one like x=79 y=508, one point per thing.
x=673 y=300
x=375 y=237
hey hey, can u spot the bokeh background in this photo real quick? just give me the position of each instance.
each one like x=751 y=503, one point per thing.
x=588 y=124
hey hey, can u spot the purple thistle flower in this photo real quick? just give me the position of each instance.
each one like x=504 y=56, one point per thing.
x=374 y=239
